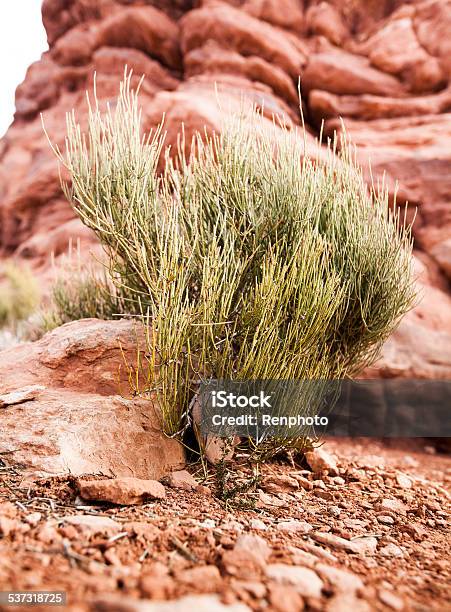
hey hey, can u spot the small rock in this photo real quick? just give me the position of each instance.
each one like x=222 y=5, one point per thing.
x=320 y=460
x=70 y=532
x=361 y=546
x=393 y=505
x=205 y=578
x=265 y=500
x=33 y=518
x=301 y=557
x=391 y=600
x=122 y=491
x=372 y=461
x=8 y=526
x=258 y=524
x=305 y=580
x=293 y=526
x=391 y=550
x=304 y=482
x=208 y=524
x=385 y=519
x=338 y=480
x=326 y=495
x=403 y=481
x=110 y=556
x=318 y=484
x=345 y=602
x=20 y=396
x=48 y=534
x=182 y=480
x=156 y=587
x=256 y=589
x=231 y=526
x=285 y=599
x=334 y=511
x=243 y=563
x=144 y=530
x=343 y=581
x=280 y=484
x=333 y=541
x=255 y=544
x=365 y=545
x=320 y=552
x=92 y=523
x=410 y=461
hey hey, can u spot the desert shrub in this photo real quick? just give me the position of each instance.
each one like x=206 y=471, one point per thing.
x=82 y=293
x=251 y=260
x=19 y=295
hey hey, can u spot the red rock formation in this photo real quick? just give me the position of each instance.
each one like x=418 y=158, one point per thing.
x=382 y=65
x=61 y=410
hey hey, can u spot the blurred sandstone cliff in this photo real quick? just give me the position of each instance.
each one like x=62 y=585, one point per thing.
x=384 y=66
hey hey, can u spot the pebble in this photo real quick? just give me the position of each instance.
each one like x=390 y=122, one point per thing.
x=255 y=544
x=230 y=526
x=319 y=484
x=256 y=589
x=258 y=524
x=410 y=461
x=33 y=518
x=280 y=484
x=326 y=495
x=385 y=519
x=306 y=581
x=365 y=545
x=93 y=523
x=320 y=460
x=394 y=505
x=210 y=524
x=182 y=479
x=338 y=480
x=304 y=483
x=403 y=481
x=361 y=546
x=245 y=564
x=265 y=500
x=301 y=557
x=334 y=511
x=347 y=603
x=9 y=526
x=391 y=600
x=293 y=526
x=391 y=550
x=205 y=578
x=121 y=491
x=285 y=599
x=343 y=581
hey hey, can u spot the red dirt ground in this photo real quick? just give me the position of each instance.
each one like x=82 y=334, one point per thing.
x=185 y=544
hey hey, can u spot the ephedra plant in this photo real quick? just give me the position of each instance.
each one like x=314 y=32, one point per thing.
x=247 y=259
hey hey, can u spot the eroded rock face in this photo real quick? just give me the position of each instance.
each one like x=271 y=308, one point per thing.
x=382 y=65
x=75 y=419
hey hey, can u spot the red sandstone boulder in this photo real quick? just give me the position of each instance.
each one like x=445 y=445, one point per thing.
x=234 y=29
x=144 y=28
x=75 y=419
x=344 y=73
x=395 y=49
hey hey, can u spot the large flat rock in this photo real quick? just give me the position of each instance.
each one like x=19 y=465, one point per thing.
x=76 y=419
